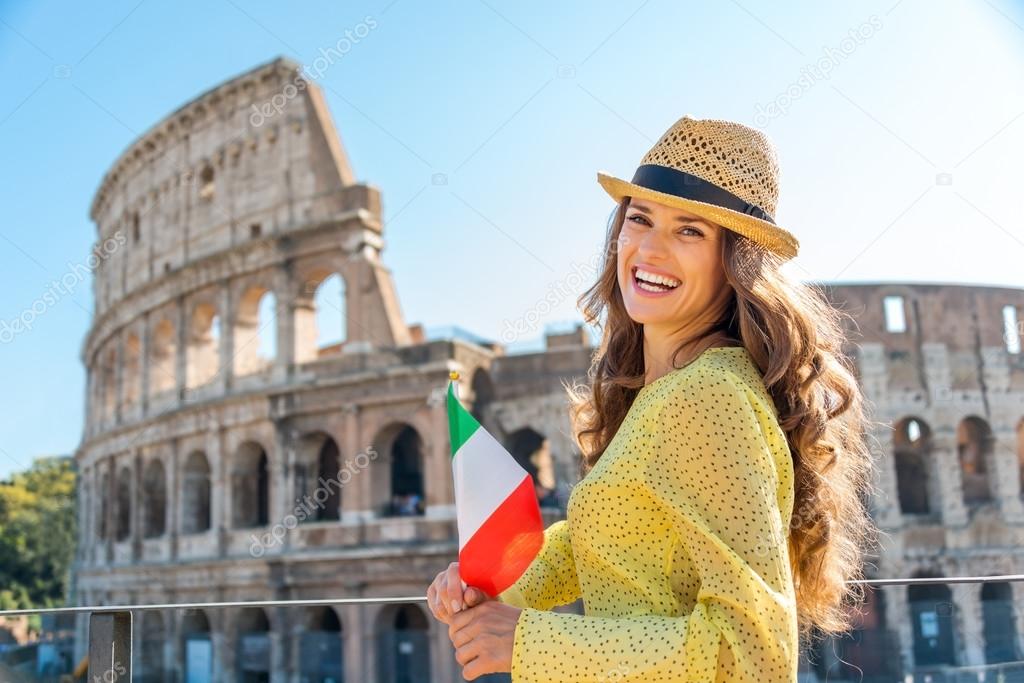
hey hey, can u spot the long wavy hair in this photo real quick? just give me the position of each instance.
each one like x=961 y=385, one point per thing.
x=795 y=336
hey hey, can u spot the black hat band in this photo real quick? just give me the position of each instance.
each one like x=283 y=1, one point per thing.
x=688 y=186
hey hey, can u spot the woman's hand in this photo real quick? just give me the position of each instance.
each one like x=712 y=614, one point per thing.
x=483 y=637
x=447 y=594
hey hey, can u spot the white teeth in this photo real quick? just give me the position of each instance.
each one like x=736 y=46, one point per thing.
x=659 y=279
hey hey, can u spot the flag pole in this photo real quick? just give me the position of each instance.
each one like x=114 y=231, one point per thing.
x=453 y=375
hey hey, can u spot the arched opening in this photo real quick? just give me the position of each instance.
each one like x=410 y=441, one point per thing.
x=196 y=647
x=206 y=185
x=403 y=646
x=975 y=442
x=912 y=453
x=328 y=484
x=253 y=653
x=124 y=504
x=163 y=351
x=154 y=486
x=869 y=651
x=108 y=384
x=998 y=625
x=203 y=357
x=195 y=494
x=255 y=331
x=932 y=611
x=101 y=516
x=320 y=648
x=532 y=451
x=320 y=319
x=483 y=393
x=407 y=497
x=151 y=658
x=131 y=371
x=250 y=487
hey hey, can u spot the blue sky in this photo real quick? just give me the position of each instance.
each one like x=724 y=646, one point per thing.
x=899 y=126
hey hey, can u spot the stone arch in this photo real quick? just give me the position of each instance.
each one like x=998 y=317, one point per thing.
x=403 y=645
x=196 y=646
x=397 y=478
x=317 y=476
x=998 y=623
x=255 y=333
x=975 y=443
x=202 y=358
x=250 y=486
x=915 y=475
x=933 y=613
x=162 y=358
x=123 y=501
x=252 y=645
x=321 y=655
x=151 y=656
x=131 y=370
x=154 y=499
x=532 y=451
x=319 y=305
x=195 y=494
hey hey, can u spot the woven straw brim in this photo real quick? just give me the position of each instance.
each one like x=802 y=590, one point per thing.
x=774 y=238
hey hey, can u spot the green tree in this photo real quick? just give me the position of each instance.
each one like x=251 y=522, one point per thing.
x=37 y=534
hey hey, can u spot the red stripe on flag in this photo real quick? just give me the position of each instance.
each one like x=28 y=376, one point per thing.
x=504 y=545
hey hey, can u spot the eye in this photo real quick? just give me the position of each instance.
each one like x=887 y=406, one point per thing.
x=643 y=221
x=696 y=232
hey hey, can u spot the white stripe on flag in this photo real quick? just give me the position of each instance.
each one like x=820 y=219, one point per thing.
x=485 y=476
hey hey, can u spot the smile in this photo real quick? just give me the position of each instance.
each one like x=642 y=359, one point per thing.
x=649 y=283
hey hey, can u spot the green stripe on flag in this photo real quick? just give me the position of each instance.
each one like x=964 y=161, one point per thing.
x=461 y=424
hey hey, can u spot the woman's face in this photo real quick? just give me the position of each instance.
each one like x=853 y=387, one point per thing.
x=659 y=240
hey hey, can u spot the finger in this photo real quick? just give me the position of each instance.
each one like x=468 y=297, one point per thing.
x=435 y=604
x=474 y=596
x=453 y=595
x=467 y=652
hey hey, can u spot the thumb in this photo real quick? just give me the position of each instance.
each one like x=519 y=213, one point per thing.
x=474 y=596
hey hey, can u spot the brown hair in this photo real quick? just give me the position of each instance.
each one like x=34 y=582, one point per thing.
x=794 y=336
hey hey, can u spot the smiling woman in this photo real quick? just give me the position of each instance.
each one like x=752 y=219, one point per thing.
x=720 y=515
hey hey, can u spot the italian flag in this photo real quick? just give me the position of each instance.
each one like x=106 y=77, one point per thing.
x=500 y=527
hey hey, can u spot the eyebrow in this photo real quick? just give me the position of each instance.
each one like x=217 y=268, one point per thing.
x=680 y=219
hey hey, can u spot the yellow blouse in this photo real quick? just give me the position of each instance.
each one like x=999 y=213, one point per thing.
x=677 y=542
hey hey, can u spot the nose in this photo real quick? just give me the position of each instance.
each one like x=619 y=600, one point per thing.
x=652 y=245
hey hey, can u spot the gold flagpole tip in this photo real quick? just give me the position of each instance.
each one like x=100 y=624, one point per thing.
x=454 y=375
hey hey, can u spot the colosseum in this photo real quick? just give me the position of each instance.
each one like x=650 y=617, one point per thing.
x=236 y=451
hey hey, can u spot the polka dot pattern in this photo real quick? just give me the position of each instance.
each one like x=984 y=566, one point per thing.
x=675 y=541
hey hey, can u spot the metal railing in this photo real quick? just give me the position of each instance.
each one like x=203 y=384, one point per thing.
x=110 y=629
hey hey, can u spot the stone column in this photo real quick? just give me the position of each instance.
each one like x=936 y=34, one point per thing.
x=284 y=292
x=1004 y=476
x=889 y=515
x=226 y=352
x=355 y=494
x=181 y=351
x=144 y=360
x=438 y=483
x=967 y=598
x=897 y=621
x=118 y=415
x=174 y=484
x=355 y=644
x=951 y=497
x=137 y=517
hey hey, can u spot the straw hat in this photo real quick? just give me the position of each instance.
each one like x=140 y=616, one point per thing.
x=720 y=170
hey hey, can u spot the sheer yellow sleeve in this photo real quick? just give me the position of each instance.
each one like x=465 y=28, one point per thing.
x=550 y=580
x=712 y=472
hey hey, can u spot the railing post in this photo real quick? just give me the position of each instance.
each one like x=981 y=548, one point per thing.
x=110 y=647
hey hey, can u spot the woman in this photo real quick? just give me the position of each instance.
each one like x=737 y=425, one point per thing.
x=720 y=515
